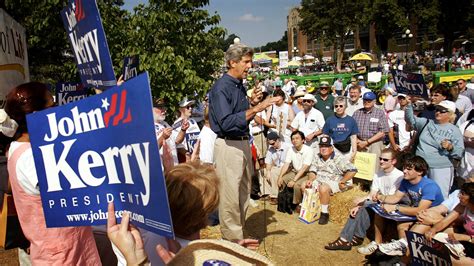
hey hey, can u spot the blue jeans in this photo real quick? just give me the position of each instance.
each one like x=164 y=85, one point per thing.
x=357 y=226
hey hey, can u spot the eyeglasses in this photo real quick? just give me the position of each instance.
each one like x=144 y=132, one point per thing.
x=339 y=105
x=401 y=98
x=384 y=159
x=307 y=101
x=272 y=143
x=324 y=88
x=460 y=83
x=441 y=110
x=189 y=107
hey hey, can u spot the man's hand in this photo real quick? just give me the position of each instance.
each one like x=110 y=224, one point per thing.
x=185 y=125
x=342 y=186
x=291 y=183
x=265 y=103
x=126 y=237
x=167 y=132
x=362 y=144
x=389 y=208
x=280 y=182
x=354 y=211
x=446 y=144
x=428 y=217
x=256 y=96
x=168 y=254
x=309 y=184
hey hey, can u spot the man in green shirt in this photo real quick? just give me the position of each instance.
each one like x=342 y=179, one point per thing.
x=325 y=101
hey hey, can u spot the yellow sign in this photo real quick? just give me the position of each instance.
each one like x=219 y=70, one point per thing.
x=365 y=163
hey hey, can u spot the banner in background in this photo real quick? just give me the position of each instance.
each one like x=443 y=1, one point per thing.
x=70 y=92
x=130 y=67
x=410 y=83
x=13 y=56
x=98 y=150
x=86 y=34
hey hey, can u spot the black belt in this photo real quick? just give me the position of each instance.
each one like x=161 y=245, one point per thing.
x=234 y=137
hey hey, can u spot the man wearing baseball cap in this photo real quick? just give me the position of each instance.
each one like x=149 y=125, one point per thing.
x=331 y=173
x=373 y=126
x=324 y=100
x=185 y=149
x=310 y=121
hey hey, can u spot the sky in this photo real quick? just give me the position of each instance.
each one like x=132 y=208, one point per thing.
x=256 y=22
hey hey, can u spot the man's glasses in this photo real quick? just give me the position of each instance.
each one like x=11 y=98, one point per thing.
x=271 y=143
x=189 y=107
x=384 y=159
x=339 y=105
x=307 y=101
x=460 y=83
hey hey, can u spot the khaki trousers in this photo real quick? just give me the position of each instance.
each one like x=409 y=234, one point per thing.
x=297 y=193
x=234 y=168
x=274 y=173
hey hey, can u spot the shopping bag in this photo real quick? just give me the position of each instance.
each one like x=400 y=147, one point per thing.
x=310 y=206
x=11 y=235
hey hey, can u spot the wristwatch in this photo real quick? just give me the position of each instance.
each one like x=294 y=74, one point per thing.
x=397 y=207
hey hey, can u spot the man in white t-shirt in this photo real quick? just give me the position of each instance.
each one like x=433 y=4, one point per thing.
x=396 y=119
x=385 y=182
x=310 y=121
x=294 y=173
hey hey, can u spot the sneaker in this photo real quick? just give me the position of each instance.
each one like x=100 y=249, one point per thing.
x=324 y=219
x=369 y=249
x=394 y=248
x=454 y=246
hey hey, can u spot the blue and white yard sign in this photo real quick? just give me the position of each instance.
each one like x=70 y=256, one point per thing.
x=425 y=252
x=97 y=150
x=130 y=67
x=84 y=29
x=410 y=83
x=67 y=92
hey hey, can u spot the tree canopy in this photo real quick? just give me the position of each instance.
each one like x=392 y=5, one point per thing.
x=177 y=42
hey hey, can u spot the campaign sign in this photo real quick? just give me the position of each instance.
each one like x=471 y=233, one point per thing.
x=396 y=216
x=70 y=92
x=424 y=252
x=410 y=83
x=98 y=150
x=84 y=29
x=130 y=67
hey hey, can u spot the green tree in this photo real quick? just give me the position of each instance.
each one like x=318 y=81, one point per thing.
x=331 y=21
x=225 y=43
x=178 y=44
x=280 y=45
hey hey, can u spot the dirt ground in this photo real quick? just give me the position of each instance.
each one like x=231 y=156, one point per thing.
x=285 y=240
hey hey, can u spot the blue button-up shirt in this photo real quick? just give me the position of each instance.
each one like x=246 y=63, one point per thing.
x=227 y=106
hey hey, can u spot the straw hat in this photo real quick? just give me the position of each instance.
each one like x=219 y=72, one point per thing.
x=210 y=251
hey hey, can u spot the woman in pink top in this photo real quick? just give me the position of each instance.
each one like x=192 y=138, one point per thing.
x=49 y=246
x=464 y=212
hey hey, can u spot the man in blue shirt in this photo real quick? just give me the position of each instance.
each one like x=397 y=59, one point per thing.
x=422 y=193
x=229 y=117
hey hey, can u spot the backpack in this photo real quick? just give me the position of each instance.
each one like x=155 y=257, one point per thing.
x=285 y=200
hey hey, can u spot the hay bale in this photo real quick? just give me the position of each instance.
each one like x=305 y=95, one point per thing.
x=341 y=203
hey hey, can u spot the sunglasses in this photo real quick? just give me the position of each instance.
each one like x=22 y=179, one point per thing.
x=401 y=97
x=324 y=88
x=307 y=101
x=441 y=110
x=384 y=159
x=271 y=143
x=189 y=107
x=339 y=105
